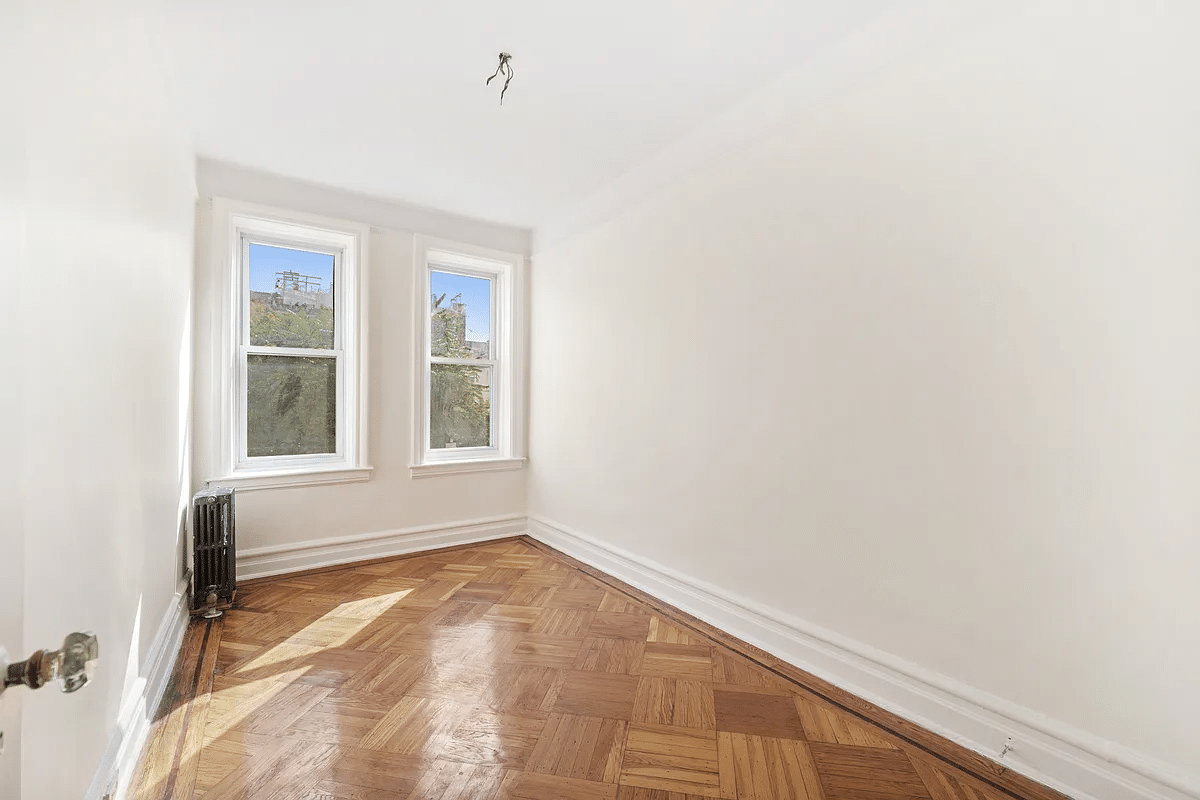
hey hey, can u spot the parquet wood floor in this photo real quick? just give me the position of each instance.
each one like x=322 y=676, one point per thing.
x=505 y=671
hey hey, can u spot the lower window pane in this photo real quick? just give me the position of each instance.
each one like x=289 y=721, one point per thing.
x=292 y=406
x=460 y=406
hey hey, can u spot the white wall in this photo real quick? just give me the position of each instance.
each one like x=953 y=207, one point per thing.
x=102 y=400
x=391 y=500
x=920 y=366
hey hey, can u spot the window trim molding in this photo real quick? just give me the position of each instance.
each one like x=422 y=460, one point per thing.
x=465 y=466
x=508 y=378
x=230 y=219
x=309 y=476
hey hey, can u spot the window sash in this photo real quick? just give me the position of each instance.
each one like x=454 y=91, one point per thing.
x=463 y=362
x=494 y=276
x=338 y=254
x=244 y=349
x=500 y=278
x=492 y=419
x=299 y=459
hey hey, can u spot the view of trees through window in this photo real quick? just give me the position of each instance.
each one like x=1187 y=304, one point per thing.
x=292 y=399
x=292 y=391
x=460 y=402
x=293 y=406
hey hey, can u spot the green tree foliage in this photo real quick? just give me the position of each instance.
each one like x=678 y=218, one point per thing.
x=292 y=401
x=292 y=406
x=291 y=326
x=460 y=408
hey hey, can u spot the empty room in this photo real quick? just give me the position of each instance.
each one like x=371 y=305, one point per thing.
x=775 y=400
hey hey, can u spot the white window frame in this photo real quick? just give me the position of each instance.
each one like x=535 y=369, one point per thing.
x=235 y=226
x=506 y=348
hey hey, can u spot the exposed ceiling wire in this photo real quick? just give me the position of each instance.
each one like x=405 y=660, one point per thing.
x=505 y=69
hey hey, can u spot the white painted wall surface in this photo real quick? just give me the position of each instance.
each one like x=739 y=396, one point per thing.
x=920 y=366
x=102 y=400
x=13 y=187
x=391 y=500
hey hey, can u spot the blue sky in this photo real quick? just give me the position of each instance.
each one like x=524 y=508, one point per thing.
x=476 y=294
x=265 y=261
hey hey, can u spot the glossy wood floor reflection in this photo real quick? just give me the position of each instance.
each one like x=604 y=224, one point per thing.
x=506 y=670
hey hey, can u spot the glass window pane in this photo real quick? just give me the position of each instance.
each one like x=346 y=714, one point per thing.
x=461 y=308
x=292 y=406
x=460 y=406
x=291 y=297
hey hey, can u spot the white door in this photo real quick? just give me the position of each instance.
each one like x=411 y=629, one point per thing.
x=11 y=585
x=12 y=442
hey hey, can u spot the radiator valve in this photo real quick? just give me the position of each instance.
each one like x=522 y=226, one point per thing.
x=211 y=612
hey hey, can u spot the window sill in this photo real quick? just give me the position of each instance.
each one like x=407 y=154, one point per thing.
x=282 y=479
x=438 y=468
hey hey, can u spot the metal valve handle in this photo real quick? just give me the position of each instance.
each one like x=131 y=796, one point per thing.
x=72 y=666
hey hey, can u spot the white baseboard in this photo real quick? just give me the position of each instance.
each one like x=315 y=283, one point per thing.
x=1051 y=752
x=137 y=712
x=261 y=562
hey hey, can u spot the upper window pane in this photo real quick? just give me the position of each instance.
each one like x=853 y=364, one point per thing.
x=291 y=297
x=461 y=316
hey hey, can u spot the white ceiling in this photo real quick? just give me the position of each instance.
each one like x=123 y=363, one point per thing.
x=387 y=97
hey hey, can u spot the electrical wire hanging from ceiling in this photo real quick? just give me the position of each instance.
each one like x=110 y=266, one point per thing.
x=505 y=69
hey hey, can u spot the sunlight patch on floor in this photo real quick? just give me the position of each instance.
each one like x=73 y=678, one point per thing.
x=333 y=629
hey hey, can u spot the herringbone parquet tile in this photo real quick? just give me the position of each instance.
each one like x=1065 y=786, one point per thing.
x=496 y=672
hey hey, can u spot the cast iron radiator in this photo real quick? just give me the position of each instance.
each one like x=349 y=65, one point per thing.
x=214 y=573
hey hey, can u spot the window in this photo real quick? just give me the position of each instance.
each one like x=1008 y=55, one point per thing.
x=468 y=360
x=295 y=389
